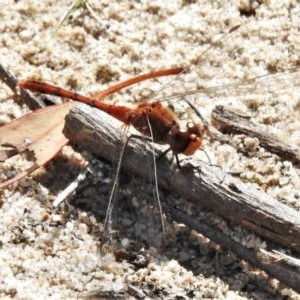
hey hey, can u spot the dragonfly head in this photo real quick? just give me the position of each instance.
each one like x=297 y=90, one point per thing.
x=186 y=141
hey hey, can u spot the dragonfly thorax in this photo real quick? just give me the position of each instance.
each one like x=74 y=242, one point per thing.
x=164 y=128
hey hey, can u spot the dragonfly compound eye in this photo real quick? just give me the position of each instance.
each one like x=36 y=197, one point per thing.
x=195 y=129
x=185 y=141
x=195 y=132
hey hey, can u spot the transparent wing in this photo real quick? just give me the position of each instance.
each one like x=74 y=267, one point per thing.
x=269 y=83
x=271 y=98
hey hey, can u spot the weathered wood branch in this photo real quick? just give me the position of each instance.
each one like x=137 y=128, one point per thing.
x=23 y=96
x=240 y=202
x=235 y=123
x=32 y=102
x=283 y=272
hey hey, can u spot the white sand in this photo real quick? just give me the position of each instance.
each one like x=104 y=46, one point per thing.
x=44 y=254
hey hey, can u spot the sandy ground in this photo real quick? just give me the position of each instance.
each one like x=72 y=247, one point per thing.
x=53 y=254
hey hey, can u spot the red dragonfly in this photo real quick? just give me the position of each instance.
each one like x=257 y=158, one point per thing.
x=152 y=120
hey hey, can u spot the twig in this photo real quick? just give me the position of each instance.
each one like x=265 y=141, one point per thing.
x=288 y=276
x=279 y=258
x=234 y=122
x=71 y=188
x=32 y=102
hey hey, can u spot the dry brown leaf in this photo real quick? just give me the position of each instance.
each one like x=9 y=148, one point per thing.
x=39 y=131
